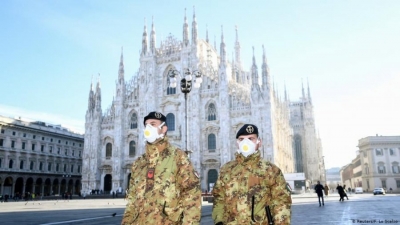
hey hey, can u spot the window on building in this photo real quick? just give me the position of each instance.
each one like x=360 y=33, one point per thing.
x=79 y=169
x=366 y=169
x=391 y=151
x=10 y=164
x=49 y=166
x=1 y=142
x=1 y=160
x=31 y=165
x=211 y=112
x=378 y=152
x=73 y=152
x=24 y=135
x=66 y=151
x=73 y=143
x=108 y=150
x=33 y=147
x=13 y=133
x=80 y=153
x=12 y=144
x=72 y=168
x=59 y=141
x=132 y=148
x=134 y=121
x=212 y=145
x=57 y=167
x=42 y=148
x=395 y=167
x=50 y=149
x=42 y=138
x=58 y=150
x=21 y=164
x=383 y=183
x=381 y=168
x=65 y=167
x=80 y=145
x=171 y=121
x=23 y=145
x=34 y=136
x=2 y=131
x=66 y=142
x=41 y=166
x=398 y=183
x=170 y=90
x=51 y=140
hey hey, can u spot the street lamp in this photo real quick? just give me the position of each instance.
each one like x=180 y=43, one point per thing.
x=186 y=87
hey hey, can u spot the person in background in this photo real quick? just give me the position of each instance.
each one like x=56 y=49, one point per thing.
x=326 y=190
x=319 y=190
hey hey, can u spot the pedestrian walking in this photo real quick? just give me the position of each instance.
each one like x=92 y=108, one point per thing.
x=326 y=190
x=340 y=190
x=249 y=189
x=319 y=190
x=164 y=187
x=345 y=192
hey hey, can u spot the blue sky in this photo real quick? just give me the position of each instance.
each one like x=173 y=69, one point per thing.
x=349 y=51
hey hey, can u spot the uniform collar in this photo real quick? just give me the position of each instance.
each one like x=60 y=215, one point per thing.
x=154 y=149
x=253 y=157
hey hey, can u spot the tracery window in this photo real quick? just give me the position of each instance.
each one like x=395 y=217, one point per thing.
x=171 y=122
x=132 y=148
x=108 y=150
x=211 y=112
x=212 y=145
x=134 y=121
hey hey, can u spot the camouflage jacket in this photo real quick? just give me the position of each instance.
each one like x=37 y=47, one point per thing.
x=164 y=188
x=245 y=187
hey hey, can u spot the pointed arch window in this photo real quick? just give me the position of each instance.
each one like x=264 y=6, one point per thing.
x=134 y=121
x=212 y=145
x=171 y=122
x=132 y=148
x=211 y=112
x=170 y=90
x=108 y=150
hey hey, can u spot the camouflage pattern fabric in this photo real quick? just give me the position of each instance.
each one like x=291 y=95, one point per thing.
x=164 y=188
x=239 y=181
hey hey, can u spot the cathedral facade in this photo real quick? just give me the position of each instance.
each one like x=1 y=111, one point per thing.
x=206 y=119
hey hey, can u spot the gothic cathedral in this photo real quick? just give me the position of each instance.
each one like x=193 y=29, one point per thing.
x=228 y=98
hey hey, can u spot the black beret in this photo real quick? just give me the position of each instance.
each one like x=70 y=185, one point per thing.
x=247 y=129
x=156 y=116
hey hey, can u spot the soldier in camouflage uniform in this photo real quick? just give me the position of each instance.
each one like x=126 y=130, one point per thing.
x=250 y=190
x=164 y=187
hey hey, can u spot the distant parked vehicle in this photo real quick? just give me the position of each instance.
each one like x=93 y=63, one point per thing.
x=358 y=190
x=379 y=191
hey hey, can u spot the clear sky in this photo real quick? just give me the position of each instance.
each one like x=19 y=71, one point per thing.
x=349 y=51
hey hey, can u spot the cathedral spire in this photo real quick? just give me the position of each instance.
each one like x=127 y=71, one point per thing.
x=91 y=97
x=144 y=39
x=222 y=47
x=98 y=95
x=121 y=68
x=194 y=28
x=152 y=37
x=308 y=91
x=266 y=84
x=237 y=47
x=302 y=89
x=286 y=98
x=254 y=71
x=207 y=33
x=185 y=31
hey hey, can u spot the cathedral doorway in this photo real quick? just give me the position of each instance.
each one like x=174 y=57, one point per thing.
x=212 y=177
x=129 y=179
x=107 y=183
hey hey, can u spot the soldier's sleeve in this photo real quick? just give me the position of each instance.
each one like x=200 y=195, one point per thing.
x=218 y=205
x=130 y=211
x=190 y=193
x=281 y=201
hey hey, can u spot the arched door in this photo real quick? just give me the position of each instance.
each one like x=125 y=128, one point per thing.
x=107 y=183
x=211 y=178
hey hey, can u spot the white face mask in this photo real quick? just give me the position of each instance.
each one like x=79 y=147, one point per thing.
x=247 y=147
x=151 y=133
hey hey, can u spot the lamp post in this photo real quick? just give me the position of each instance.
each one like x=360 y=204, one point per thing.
x=186 y=87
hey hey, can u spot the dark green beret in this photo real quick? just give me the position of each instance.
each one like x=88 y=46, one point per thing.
x=156 y=116
x=247 y=129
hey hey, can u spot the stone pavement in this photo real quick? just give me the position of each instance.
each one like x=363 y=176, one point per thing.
x=359 y=209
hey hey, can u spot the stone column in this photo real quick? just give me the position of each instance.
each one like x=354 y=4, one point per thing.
x=23 y=189
x=59 y=189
